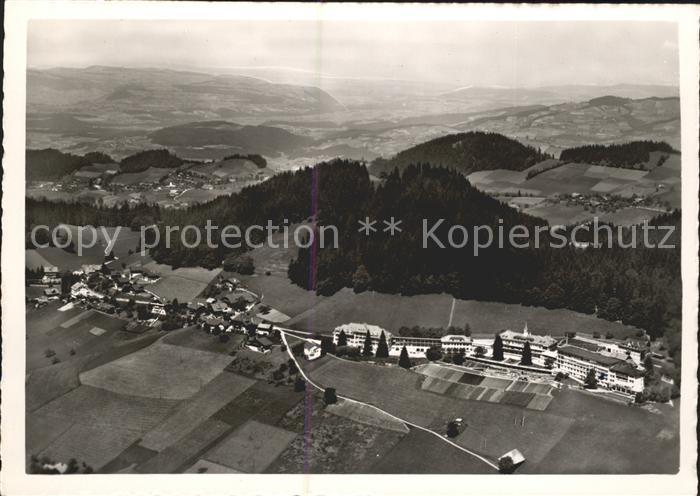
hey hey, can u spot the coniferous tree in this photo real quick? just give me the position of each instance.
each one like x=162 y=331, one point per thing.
x=382 y=347
x=367 y=348
x=404 y=361
x=527 y=354
x=591 y=382
x=498 y=348
x=342 y=338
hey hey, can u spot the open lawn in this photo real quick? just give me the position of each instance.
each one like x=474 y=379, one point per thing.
x=489 y=317
x=251 y=447
x=158 y=371
x=197 y=339
x=422 y=453
x=68 y=261
x=280 y=293
x=183 y=284
x=385 y=310
x=71 y=334
x=220 y=391
x=394 y=311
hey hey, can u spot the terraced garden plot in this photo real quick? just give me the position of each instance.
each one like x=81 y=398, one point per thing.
x=221 y=390
x=516 y=398
x=158 y=371
x=251 y=447
x=182 y=452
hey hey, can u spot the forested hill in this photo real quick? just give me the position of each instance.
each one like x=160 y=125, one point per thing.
x=465 y=152
x=150 y=158
x=635 y=154
x=50 y=165
x=639 y=286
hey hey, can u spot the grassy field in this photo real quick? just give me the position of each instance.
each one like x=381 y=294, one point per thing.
x=422 y=453
x=63 y=259
x=573 y=418
x=92 y=424
x=197 y=339
x=179 y=455
x=394 y=311
x=158 y=371
x=183 y=284
x=220 y=391
x=251 y=448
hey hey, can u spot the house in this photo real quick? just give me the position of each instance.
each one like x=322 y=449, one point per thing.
x=52 y=293
x=515 y=456
x=220 y=307
x=312 y=351
x=50 y=279
x=264 y=329
x=90 y=268
x=260 y=345
x=158 y=309
x=81 y=290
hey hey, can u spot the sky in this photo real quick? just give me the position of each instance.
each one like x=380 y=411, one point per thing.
x=509 y=54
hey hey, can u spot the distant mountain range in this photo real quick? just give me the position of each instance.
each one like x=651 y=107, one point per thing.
x=305 y=116
x=155 y=95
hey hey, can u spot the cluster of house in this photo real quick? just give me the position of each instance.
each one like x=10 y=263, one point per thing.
x=617 y=365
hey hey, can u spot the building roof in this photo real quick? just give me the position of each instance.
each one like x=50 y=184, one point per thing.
x=545 y=341
x=352 y=328
x=588 y=356
x=625 y=368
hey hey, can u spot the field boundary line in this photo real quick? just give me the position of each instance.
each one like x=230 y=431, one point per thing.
x=465 y=450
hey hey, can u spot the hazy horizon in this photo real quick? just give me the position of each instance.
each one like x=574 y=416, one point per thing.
x=481 y=54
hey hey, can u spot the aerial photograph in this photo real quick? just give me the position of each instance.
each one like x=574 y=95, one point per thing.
x=352 y=247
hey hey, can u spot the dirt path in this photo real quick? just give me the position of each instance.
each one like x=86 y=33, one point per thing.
x=439 y=436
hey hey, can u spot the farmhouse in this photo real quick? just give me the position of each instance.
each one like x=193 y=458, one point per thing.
x=260 y=345
x=514 y=342
x=81 y=290
x=356 y=333
x=611 y=372
x=312 y=351
x=263 y=329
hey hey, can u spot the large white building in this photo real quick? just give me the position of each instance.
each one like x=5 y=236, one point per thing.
x=542 y=347
x=617 y=349
x=356 y=333
x=416 y=346
x=612 y=373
